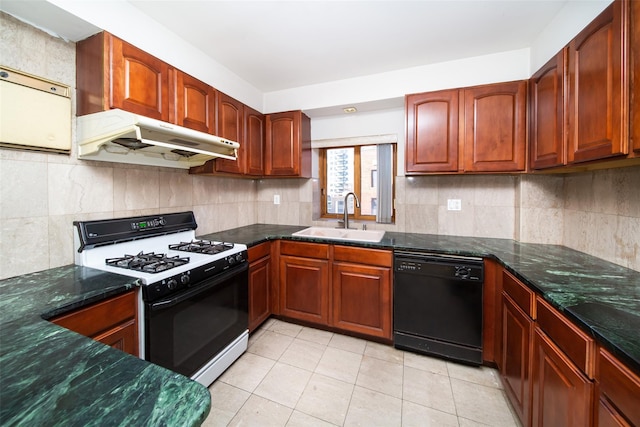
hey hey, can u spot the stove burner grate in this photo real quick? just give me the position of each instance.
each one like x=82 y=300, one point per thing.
x=202 y=247
x=148 y=263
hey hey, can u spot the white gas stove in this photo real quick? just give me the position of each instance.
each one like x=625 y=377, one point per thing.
x=162 y=251
x=193 y=302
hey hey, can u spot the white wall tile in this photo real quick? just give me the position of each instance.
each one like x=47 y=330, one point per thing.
x=175 y=189
x=24 y=189
x=79 y=189
x=136 y=189
x=24 y=245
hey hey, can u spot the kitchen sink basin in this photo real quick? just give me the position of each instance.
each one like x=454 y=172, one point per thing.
x=341 y=234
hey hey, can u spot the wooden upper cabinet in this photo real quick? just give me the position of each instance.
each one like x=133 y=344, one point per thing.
x=432 y=132
x=139 y=81
x=111 y=73
x=231 y=126
x=288 y=145
x=547 y=118
x=634 y=61
x=254 y=141
x=597 y=89
x=194 y=103
x=495 y=127
x=475 y=129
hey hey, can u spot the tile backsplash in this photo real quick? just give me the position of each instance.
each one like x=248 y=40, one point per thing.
x=42 y=194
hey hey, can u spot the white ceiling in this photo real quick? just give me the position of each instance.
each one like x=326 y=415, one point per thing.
x=276 y=45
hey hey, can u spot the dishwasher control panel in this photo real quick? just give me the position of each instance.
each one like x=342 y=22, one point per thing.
x=452 y=267
x=408 y=266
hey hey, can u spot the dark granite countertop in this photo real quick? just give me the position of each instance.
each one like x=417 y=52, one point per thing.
x=52 y=376
x=602 y=298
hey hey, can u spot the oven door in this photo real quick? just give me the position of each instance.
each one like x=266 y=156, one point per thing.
x=187 y=330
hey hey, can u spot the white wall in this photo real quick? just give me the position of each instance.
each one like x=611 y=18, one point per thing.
x=129 y=23
x=124 y=20
x=571 y=19
x=499 y=67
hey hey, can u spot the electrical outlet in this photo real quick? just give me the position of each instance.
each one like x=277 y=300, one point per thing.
x=276 y=199
x=454 y=204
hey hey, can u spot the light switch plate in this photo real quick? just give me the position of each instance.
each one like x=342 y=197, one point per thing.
x=454 y=204
x=276 y=199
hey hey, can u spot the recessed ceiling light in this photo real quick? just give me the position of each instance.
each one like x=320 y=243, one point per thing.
x=349 y=110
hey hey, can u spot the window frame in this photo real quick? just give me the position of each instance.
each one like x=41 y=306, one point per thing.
x=357 y=215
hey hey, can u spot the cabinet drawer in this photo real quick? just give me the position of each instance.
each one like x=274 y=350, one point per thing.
x=259 y=251
x=577 y=345
x=363 y=256
x=619 y=385
x=302 y=249
x=93 y=320
x=520 y=294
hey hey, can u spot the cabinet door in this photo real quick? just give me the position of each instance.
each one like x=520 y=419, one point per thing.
x=562 y=395
x=634 y=61
x=304 y=289
x=597 y=89
x=194 y=103
x=139 y=81
x=432 y=132
x=112 y=322
x=361 y=299
x=515 y=369
x=288 y=145
x=259 y=288
x=254 y=141
x=618 y=389
x=124 y=337
x=495 y=127
x=547 y=114
x=231 y=126
x=283 y=144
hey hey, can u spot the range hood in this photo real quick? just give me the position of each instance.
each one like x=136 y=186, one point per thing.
x=123 y=137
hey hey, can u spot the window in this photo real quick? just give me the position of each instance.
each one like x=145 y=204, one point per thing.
x=355 y=169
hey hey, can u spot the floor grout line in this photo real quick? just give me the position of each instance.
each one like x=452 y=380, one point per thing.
x=377 y=356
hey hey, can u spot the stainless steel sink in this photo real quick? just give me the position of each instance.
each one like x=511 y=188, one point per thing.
x=341 y=234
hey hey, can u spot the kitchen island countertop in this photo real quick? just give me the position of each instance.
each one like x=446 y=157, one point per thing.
x=602 y=298
x=50 y=375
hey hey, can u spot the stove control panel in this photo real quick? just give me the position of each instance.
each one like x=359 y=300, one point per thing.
x=149 y=224
x=193 y=278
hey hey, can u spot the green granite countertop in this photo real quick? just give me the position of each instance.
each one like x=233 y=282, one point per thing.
x=602 y=298
x=52 y=376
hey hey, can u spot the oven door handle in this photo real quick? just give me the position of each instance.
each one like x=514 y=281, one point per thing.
x=183 y=296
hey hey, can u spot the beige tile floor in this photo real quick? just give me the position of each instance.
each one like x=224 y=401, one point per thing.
x=298 y=376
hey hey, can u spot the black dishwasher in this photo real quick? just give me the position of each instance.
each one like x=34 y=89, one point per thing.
x=437 y=305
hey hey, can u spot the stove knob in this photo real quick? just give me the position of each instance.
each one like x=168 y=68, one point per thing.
x=231 y=260
x=239 y=257
x=172 y=284
x=184 y=279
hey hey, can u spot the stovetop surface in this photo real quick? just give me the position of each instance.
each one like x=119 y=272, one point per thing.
x=97 y=257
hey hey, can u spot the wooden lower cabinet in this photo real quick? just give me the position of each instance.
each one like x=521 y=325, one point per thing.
x=618 y=391
x=515 y=366
x=342 y=287
x=259 y=285
x=562 y=394
x=112 y=322
x=362 y=299
x=304 y=289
